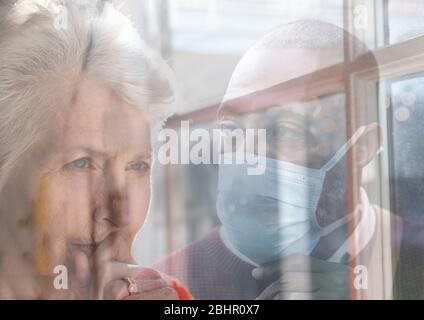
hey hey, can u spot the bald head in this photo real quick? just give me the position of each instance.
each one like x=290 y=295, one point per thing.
x=288 y=52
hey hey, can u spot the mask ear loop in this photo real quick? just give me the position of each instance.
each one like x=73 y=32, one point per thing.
x=343 y=149
x=329 y=165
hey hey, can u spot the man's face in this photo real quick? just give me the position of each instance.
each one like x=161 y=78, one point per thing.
x=283 y=91
x=95 y=186
x=306 y=133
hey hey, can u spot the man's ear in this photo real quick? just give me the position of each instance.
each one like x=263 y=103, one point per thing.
x=366 y=148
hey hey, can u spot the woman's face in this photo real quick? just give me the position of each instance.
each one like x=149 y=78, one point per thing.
x=94 y=190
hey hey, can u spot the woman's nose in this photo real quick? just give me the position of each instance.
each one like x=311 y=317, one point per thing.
x=117 y=213
x=114 y=199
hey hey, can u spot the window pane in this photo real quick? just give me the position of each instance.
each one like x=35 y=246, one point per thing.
x=211 y=36
x=407 y=173
x=405 y=19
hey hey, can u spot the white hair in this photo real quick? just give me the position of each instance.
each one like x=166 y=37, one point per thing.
x=45 y=47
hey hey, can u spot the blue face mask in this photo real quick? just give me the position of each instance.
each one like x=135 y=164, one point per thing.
x=269 y=216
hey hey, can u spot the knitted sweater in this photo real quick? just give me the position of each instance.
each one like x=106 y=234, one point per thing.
x=211 y=271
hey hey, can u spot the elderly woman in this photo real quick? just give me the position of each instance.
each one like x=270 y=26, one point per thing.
x=79 y=97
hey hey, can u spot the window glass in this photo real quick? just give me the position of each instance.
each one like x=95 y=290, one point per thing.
x=406 y=116
x=405 y=20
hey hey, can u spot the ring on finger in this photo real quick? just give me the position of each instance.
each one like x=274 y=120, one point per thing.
x=132 y=286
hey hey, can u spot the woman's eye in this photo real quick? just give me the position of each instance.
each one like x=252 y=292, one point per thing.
x=137 y=166
x=82 y=163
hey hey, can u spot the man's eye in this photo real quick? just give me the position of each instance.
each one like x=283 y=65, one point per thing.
x=230 y=129
x=286 y=132
x=82 y=163
x=229 y=125
x=137 y=166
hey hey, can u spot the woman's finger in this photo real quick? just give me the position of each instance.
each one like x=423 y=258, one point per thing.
x=166 y=293
x=118 y=289
x=148 y=285
x=82 y=269
x=115 y=270
x=112 y=271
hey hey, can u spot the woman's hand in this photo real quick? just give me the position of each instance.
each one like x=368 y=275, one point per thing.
x=103 y=277
x=150 y=283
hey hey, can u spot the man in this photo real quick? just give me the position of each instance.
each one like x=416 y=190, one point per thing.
x=304 y=228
